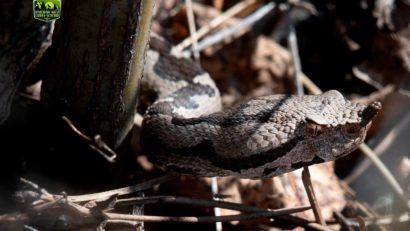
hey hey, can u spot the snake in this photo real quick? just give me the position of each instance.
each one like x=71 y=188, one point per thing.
x=187 y=131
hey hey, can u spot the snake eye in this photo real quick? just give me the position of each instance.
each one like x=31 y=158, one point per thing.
x=314 y=129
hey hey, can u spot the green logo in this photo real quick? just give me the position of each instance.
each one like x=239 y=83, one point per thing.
x=47 y=10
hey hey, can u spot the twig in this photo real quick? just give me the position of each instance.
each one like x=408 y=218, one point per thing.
x=304 y=5
x=76 y=130
x=121 y=191
x=192 y=29
x=342 y=221
x=385 y=172
x=311 y=196
x=68 y=202
x=77 y=208
x=139 y=210
x=217 y=210
x=133 y=224
x=367 y=221
x=404 y=92
x=378 y=95
x=362 y=223
x=219 y=204
x=293 y=46
x=205 y=219
x=365 y=78
x=244 y=23
x=378 y=149
x=36 y=187
x=310 y=85
x=309 y=225
x=96 y=144
x=190 y=201
x=29 y=228
x=61 y=201
x=214 y=23
x=48 y=200
x=387 y=220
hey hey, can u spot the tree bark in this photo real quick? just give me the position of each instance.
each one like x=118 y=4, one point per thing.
x=92 y=72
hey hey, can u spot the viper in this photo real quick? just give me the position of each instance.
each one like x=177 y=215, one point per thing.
x=187 y=131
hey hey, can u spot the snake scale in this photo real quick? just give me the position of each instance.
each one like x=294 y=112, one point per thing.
x=186 y=131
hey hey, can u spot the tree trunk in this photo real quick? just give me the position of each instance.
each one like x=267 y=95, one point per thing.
x=93 y=65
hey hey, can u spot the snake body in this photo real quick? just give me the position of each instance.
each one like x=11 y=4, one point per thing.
x=186 y=131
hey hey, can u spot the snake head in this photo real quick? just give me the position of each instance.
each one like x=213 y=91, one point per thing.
x=332 y=137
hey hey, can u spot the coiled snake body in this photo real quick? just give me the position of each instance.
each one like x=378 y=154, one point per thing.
x=186 y=131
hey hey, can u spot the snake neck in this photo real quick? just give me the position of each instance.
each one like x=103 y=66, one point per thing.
x=183 y=91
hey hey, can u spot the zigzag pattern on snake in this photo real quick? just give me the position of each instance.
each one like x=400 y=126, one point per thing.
x=186 y=131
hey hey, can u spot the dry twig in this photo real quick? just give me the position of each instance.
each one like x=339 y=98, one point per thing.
x=312 y=196
x=70 y=202
x=244 y=23
x=192 y=29
x=206 y=219
x=96 y=144
x=214 y=23
x=121 y=191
